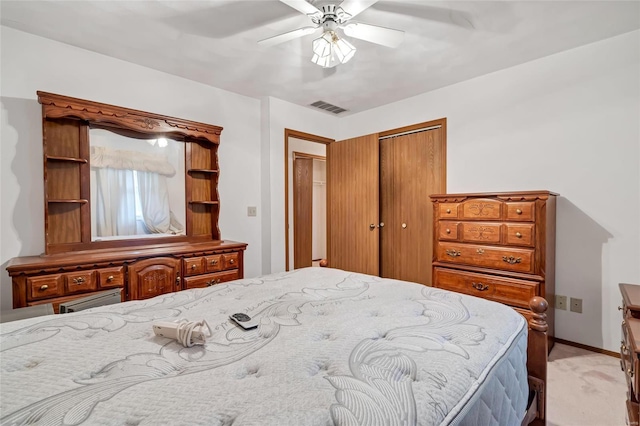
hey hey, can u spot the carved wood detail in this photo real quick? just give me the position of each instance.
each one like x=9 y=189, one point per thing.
x=58 y=106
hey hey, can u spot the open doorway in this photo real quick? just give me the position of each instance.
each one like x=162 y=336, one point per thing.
x=305 y=199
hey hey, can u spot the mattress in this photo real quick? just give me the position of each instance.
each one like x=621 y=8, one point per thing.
x=332 y=348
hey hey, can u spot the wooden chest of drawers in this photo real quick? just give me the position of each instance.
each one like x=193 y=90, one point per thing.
x=499 y=246
x=141 y=272
x=630 y=348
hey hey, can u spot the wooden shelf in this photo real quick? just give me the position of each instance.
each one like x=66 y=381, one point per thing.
x=204 y=170
x=71 y=159
x=78 y=201
x=210 y=203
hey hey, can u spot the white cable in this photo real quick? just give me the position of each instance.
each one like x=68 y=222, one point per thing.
x=191 y=333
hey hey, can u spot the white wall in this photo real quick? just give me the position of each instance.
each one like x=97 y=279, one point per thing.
x=569 y=123
x=30 y=63
x=286 y=115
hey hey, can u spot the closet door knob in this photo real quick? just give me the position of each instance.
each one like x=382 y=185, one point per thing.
x=372 y=226
x=404 y=225
x=381 y=224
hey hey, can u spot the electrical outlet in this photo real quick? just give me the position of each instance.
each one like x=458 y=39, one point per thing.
x=561 y=302
x=252 y=211
x=576 y=305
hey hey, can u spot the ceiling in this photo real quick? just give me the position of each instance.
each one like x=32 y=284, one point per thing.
x=215 y=42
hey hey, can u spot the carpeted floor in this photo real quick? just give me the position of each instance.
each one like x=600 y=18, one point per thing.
x=585 y=388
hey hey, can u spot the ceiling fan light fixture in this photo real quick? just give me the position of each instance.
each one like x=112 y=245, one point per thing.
x=344 y=50
x=330 y=50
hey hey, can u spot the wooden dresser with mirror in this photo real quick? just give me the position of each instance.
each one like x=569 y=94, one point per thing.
x=130 y=200
x=498 y=246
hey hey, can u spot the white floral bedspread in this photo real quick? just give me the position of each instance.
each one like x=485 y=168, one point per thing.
x=332 y=347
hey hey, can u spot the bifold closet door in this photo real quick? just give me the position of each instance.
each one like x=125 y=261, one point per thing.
x=302 y=212
x=411 y=169
x=352 y=204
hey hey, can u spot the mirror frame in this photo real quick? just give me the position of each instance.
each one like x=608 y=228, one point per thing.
x=65 y=131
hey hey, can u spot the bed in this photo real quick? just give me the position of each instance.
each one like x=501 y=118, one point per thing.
x=332 y=348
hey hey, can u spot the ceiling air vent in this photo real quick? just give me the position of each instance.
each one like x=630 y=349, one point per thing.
x=327 y=107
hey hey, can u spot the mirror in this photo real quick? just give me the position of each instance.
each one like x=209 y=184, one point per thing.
x=137 y=186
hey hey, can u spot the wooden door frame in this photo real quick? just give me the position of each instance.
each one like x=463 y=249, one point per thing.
x=290 y=133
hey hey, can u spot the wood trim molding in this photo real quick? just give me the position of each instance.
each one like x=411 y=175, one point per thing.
x=587 y=347
x=439 y=122
x=58 y=106
x=290 y=133
x=297 y=154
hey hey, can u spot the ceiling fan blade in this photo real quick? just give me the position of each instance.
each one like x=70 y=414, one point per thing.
x=354 y=7
x=374 y=34
x=281 y=38
x=302 y=6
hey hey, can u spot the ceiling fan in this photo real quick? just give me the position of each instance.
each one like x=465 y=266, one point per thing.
x=330 y=49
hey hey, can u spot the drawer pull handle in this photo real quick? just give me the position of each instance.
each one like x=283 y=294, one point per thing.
x=232 y=261
x=44 y=287
x=518 y=211
x=511 y=260
x=79 y=280
x=480 y=286
x=448 y=231
x=480 y=251
x=213 y=282
x=110 y=278
x=214 y=262
x=448 y=210
x=453 y=253
x=194 y=266
x=623 y=348
x=519 y=235
x=619 y=308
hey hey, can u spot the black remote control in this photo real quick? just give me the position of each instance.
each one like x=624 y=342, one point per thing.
x=244 y=321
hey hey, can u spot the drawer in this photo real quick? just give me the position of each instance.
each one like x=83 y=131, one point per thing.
x=448 y=210
x=504 y=290
x=81 y=282
x=520 y=234
x=629 y=354
x=521 y=211
x=194 y=266
x=111 y=277
x=504 y=258
x=45 y=286
x=213 y=263
x=481 y=209
x=211 y=279
x=448 y=230
x=230 y=260
x=481 y=232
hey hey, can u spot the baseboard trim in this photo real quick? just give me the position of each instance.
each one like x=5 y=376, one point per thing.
x=586 y=347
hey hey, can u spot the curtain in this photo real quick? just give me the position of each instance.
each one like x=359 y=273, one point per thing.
x=154 y=197
x=115 y=202
x=116 y=174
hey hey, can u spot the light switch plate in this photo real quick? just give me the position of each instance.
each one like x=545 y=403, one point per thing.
x=252 y=211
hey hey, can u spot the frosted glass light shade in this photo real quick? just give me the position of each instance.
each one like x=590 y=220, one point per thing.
x=330 y=50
